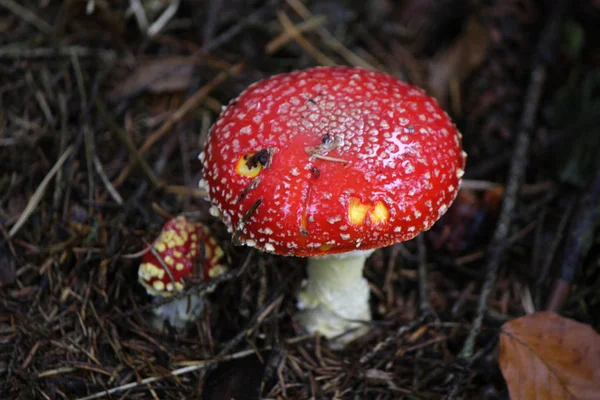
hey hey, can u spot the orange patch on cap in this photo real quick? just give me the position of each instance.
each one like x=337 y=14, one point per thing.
x=357 y=211
x=379 y=214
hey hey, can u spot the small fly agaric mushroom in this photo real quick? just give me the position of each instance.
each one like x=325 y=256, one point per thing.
x=332 y=163
x=173 y=258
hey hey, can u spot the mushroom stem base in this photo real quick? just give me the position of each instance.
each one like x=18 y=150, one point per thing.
x=335 y=297
x=179 y=312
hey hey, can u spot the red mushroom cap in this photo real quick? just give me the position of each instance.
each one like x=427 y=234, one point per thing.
x=331 y=159
x=178 y=247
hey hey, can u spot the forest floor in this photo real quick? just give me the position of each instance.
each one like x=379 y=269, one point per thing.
x=105 y=106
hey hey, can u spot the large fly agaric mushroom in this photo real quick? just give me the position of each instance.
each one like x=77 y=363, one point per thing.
x=331 y=163
x=172 y=259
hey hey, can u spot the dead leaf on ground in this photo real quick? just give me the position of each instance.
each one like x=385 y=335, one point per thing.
x=546 y=356
x=455 y=64
x=157 y=75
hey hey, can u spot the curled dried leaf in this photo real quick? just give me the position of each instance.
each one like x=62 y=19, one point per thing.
x=546 y=356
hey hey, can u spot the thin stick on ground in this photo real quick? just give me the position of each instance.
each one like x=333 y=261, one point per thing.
x=516 y=173
x=424 y=306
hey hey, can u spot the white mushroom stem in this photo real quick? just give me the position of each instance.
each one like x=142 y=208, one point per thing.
x=179 y=312
x=335 y=297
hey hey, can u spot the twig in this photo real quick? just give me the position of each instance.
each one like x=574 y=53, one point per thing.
x=39 y=193
x=260 y=315
x=516 y=172
x=62 y=105
x=551 y=250
x=424 y=305
x=63 y=51
x=579 y=241
x=186 y=191
x=478 y=185
x=391 y=340
x=27 y=16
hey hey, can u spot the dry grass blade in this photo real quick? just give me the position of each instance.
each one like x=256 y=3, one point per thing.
x=329 y=39
x=195 y=366
x=286 y=36
x=128 y=143
x=164 y=18
x=27 y=16
x=111 y=189
x=74 y=321
x=188 y=106
x=39 y=193
x=293 y=31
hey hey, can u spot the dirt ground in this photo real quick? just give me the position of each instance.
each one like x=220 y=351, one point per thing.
x=105 y=106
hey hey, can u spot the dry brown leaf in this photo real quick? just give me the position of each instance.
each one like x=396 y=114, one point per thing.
x=546 y=356
x=453 y=65
x=157 y=75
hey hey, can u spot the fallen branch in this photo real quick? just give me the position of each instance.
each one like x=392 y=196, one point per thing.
x=517 y=171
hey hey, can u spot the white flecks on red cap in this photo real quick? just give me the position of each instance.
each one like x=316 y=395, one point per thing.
x=331 y=159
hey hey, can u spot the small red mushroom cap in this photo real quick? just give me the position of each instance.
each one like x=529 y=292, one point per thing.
x=331 y=159
x=178 y=247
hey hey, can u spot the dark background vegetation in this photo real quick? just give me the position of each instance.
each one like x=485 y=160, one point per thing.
x=101 y=122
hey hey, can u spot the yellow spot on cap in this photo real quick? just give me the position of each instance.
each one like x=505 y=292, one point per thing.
x=148 y=271
x=178 y=286
x=160 y=246
x=379 y=214
x=218 y=251
x=167 y=236
x=171 y=244
x=177 y=254
x=194 y=237
x=242 y=167
x=179 y=267
x=326 y=247
x=169 y=261
x=158 y=285
x=215 y=271
x=357 y=211
x=170 y=287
